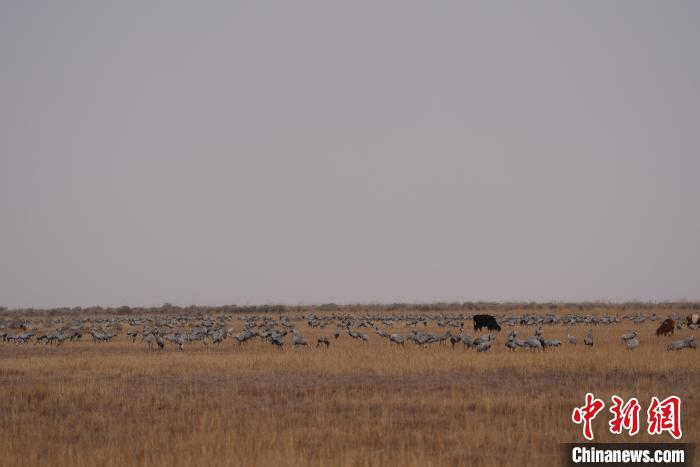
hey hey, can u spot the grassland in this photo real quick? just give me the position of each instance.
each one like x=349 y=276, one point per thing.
x=117 y=404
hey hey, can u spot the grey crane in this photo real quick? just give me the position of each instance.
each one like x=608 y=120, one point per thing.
x=133 y=334
x=534 y=343
x=467 y=340
x=298 y=340
x=397 y=339
x=481 y=340
x=633 y=342
x=687 y=343
x=510 y=344
x=546 y=343
x=513 y=343
x=630 y=335
x=180 y=340
x=483 y=346
x=277 y=341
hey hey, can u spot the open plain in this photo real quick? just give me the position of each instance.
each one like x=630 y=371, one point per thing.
x=115 y=402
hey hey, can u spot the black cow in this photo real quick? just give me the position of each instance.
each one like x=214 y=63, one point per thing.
x=666 y=327
x=485 y=321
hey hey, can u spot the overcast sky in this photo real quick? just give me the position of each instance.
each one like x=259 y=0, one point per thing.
x=357 y=151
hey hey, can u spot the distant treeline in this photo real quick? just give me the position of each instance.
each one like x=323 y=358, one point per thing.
x=448 y=307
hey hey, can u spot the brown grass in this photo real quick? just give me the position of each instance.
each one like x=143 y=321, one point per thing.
x=117 y=404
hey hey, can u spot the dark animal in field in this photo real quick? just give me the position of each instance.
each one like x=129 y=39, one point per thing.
x=485 y=321
x=323 y=340
x=666 y=327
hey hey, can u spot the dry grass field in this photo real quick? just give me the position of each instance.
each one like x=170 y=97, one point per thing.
x=117 y=404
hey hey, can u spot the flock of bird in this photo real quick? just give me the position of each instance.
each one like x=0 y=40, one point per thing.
x=182 y=331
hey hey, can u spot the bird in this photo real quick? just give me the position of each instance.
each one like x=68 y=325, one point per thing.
x=467 y=340
x=513 y=343
x=633 y=343
x=688 y=342
x=160 y=342
x=550 y=343
x=133 y=334
x=180 y=340
x=396 y=338
x=278 y=341
x=534 y=343
x=510 y=343
x=484 y=346
x=218 y=337
x=630 y=335
x=480 y=340
x=297 y=340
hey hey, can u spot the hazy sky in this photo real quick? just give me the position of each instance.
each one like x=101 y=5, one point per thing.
x=305 y=152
